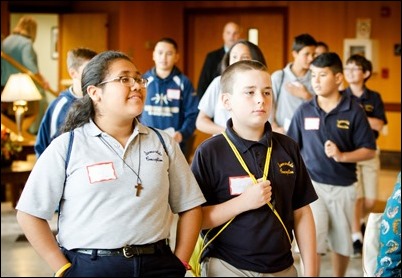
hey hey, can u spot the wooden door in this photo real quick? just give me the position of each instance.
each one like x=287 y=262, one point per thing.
x=80 y=30
x=203 y=33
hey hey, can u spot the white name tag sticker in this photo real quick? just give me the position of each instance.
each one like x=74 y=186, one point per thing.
x=173 y=94
x=239 y=184
x=311 y=123
x=101 y=172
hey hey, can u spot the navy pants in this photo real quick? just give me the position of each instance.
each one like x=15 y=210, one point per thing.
x=161 y=264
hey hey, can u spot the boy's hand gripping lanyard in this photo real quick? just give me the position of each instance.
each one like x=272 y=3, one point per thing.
x=264 y=177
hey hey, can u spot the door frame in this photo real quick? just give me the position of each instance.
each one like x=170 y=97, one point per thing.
x=190 y=12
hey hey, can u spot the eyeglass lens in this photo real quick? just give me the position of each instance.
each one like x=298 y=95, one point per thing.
x=130 y=81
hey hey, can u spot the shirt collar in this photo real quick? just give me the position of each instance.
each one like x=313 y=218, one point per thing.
x=343 y=105
x=242 y=144
x=348 y=91
x=94 y=130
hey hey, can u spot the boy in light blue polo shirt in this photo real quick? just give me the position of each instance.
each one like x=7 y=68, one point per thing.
x=292 y=85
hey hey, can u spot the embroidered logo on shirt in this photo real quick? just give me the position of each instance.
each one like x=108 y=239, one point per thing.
x=286 y=168
x=368 y=108
x=153 y=156
x=343 y=124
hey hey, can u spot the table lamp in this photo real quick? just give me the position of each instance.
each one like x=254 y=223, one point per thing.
x=20 y=89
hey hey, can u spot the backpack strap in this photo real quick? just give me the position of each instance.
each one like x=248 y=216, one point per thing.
x=70 y=146
x=160 y=138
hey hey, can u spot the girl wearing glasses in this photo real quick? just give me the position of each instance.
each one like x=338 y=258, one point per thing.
x=115 y=184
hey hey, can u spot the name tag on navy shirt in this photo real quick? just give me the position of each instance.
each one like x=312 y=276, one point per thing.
x=311 y=123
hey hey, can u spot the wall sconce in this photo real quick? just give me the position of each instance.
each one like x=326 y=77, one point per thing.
x=20 y=89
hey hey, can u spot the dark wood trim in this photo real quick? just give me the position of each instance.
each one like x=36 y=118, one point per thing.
x=392 y=107
x=40 y=6
x=188 y=12
x=390 y=160
x=16 y=175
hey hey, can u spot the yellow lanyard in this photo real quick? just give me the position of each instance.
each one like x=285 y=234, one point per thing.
x=267 y=160
x=264 y=177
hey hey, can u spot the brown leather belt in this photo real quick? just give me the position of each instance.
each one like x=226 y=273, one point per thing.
x=127 y=251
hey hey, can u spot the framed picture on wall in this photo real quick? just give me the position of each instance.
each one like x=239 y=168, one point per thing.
x=365 y=47
x=54 y=43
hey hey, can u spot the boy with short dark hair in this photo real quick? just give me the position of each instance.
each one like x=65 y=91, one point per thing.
x=292 y=85
x=321 y=47
x=357 y=71
x=172 y=102
x=333 y=134
x=241 y=171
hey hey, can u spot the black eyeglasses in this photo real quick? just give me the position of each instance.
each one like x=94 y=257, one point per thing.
x=128 y=81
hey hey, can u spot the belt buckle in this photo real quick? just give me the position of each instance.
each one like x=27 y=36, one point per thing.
x=128 y=251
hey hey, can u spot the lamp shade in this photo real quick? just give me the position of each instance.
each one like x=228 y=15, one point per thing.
x=20 y=86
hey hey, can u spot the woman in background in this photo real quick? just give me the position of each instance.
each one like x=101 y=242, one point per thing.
x=19 y=45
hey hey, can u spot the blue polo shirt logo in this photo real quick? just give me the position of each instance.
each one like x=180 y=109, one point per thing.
x=342 y=124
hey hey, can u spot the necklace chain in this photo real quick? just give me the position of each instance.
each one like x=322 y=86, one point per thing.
x=138 y=186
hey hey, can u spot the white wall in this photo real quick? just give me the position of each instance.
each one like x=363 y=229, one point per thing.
x=48 y=66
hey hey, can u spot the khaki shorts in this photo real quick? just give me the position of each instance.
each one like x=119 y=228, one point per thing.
x=333 y=217
x=214 y=267
x=368 y=172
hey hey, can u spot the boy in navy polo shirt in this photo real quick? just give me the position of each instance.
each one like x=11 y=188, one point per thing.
x=258 y=241
x=357 y=71
x=333 y=134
